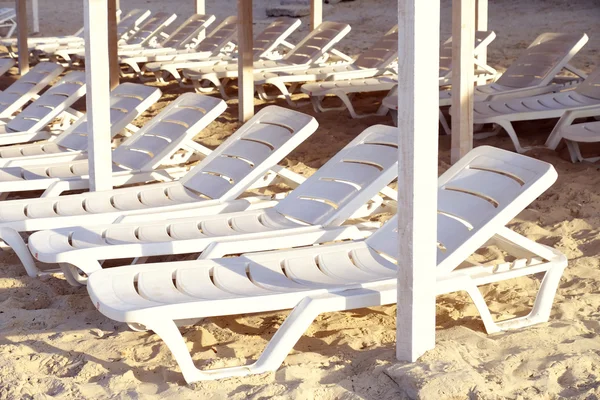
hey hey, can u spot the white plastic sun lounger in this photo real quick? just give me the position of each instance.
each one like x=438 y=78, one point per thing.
x=251 y=151
x=377 y=60
x=345 y=276
x=217 y=48
x=582 y=101
x=345 y=89
x=8 y=19
x=329 y=197
x=148 y=35
x=127 y=102
x=29 y=124
x=533 y=73
x=314 y=47
x=19 y=93
x=127 y=26
x=219 y=42
x=136 y=159
x=182 y=41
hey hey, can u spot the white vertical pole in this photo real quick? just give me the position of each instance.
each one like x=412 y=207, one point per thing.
x=200 y=6
x=113 y=51
x=22 y=33
x=98 y=93
x=418 y=98
x=463 y=76
x=36 y=16
x=481 y=24
x=245 y=61
x=316 y=13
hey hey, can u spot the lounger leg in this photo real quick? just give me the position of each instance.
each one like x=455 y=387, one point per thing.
x=394 y=114
x=74 y=270
x=444 y=123
x=574 y=151
x=12 y=238
x=284 y=339
x=513 y=136
x=543 y=301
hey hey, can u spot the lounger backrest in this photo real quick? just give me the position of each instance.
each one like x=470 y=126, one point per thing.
x=20 y=92
x=272 y=37
x=187 y=35
x=317 y=43
x=347 y=181
x=590 y=87
x=127 y=102
x=477 y=196
x=50 y=104
x=382 y=53
x=151 y=28
x=160 y=138
x=131 y=22
x=482 y=41
x=542 y=60
x=247 y=154
x=224 y=33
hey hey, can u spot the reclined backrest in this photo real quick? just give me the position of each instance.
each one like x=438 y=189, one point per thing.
x=317 y=43
x=542 y=60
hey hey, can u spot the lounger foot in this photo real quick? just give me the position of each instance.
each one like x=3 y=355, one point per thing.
x=16 y=242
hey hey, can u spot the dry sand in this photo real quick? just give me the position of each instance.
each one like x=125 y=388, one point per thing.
x=54 y=344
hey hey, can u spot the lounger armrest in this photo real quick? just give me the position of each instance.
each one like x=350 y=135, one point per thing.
x=358 y=74
x=295 y=237
x=197 y=209
x=341 y=55
x=287 y=44
x=566 y=120
x=522 y=92
x=576 y=71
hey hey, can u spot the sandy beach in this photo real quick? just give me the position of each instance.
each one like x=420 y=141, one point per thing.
x=55 y=345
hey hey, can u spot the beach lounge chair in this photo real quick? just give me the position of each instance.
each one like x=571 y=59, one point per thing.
x=345 y=276
x=582 y=101
x=127 y=26
x=327 y=198
x=217 y=49
x=534 y=72
x=148 y=34
x=29 y=124
x=8 y=19
x=20 y=92
x=250 y=153
x=375 y=61
x=345 y=89
x=314 y=47
x=182 y=41
x=135 y=160
x=127 y=102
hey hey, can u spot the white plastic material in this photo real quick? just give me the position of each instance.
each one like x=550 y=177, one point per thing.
x=284 y=129
x=375 y=61
x=327 y=198
x=215 y=48
x=312 y=48
x=26 y=87
x=582 y=101
x=183 y=40
x=345 y=86
x=137 y=157
x=148 y=34
x=28 y=125
x=342 y=276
